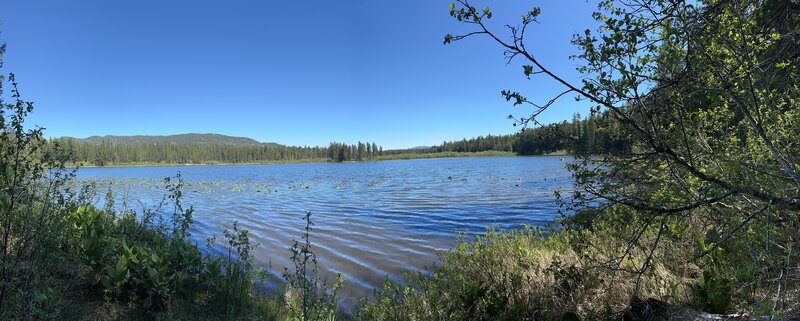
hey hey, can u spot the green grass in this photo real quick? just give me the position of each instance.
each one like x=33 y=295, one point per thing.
x=527 y=274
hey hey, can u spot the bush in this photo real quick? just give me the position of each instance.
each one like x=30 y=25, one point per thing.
x=309 y=296
x=156 y=267
x=549 y=274
x=519 y=275
x=33 y=201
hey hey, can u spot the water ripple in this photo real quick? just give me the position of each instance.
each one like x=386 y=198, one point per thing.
x=372 y=220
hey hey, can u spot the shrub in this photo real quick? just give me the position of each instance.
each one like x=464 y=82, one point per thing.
x=156 y=266
x=309 y=296
x=33 y=200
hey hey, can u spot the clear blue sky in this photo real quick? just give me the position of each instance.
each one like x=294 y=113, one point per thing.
x=297 y=73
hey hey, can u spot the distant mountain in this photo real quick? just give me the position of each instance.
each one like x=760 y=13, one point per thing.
x=199 y=139
x=420 y=147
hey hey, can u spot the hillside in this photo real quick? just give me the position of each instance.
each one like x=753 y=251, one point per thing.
x=191 y=139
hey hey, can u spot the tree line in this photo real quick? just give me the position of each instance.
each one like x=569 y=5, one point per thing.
x=591 y=134
x=340 y=152
x=108 y=153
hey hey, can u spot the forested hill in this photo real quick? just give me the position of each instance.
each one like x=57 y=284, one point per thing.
x=207 y=139
x=201 y=149
x=581 y=135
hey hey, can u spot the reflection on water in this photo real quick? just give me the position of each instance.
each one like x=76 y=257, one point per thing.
x=371 y=219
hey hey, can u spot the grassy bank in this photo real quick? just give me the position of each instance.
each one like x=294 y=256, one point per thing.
x=136 y=267
x=591 y=268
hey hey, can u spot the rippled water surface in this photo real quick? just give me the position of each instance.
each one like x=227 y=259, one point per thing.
x=372 y=219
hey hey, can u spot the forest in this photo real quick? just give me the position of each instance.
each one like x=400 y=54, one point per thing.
x=581 y=135
x=106 y=152
x=592 y=134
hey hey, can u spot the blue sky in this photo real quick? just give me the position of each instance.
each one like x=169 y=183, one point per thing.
x=297 y=73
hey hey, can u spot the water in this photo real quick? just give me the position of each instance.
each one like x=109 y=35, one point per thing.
x=372 y=219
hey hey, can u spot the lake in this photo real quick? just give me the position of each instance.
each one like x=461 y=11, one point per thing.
x=372 y=219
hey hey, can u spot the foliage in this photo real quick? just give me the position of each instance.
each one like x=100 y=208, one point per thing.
x=527 y=274
x=108 y=153
x=33 y=199
x=714 y=293
x=581 y=135
x=156 y=265
x=183 y=149
x=706 y=94
x=340 y=152
x=314 y=300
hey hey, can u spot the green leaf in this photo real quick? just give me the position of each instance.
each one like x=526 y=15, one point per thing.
x=122 y=264
x=528 y=70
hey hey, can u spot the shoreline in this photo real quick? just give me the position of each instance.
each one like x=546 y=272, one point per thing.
x=308 y=161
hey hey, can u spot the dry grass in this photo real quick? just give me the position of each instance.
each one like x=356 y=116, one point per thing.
x=593 y=272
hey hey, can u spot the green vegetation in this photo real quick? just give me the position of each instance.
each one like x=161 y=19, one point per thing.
x=204 y=149
x=340 y=152
x=63 y=259
x=444 y=155
x=313 y=299
x=702 y=210
x=146 y=267
x=579 y=135
x=165 y=151
x=687 y=196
